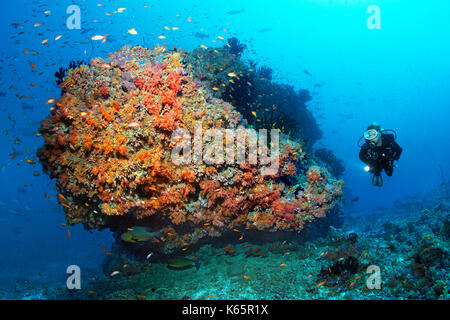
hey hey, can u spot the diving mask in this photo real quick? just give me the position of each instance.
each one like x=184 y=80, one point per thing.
x=371 y=134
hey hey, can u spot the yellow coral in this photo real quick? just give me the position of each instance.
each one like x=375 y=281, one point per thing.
x=175 y=60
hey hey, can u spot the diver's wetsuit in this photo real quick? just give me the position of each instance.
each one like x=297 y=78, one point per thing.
x=379 y=158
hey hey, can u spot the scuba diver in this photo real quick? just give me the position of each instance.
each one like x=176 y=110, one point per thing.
x=379 y=152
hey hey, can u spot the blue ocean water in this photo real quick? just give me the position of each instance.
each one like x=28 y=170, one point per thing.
x=396 y=75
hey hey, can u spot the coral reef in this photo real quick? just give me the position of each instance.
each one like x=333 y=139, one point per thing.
x=109 y=143
x=264 y=72
x=410 y=242
x=234 y=46
x=262 y=102
x=410 y=249
x=60 y=74
x=424 y=273
x=334 y=164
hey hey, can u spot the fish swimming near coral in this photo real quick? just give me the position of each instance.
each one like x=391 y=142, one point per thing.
x=86 y=30
x=264 y=30
x=184 y=264
x=320 y=84
x=232 y=12
x=201 y=35
x=139 y=234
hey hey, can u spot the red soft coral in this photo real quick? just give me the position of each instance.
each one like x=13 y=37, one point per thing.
x=174 y=80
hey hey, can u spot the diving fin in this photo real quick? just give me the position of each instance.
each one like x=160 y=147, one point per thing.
x=377 y=180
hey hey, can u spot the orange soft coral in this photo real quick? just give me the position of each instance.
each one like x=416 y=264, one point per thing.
x=108 y=142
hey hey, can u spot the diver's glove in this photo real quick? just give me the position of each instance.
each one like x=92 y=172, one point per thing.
x=377 y=180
